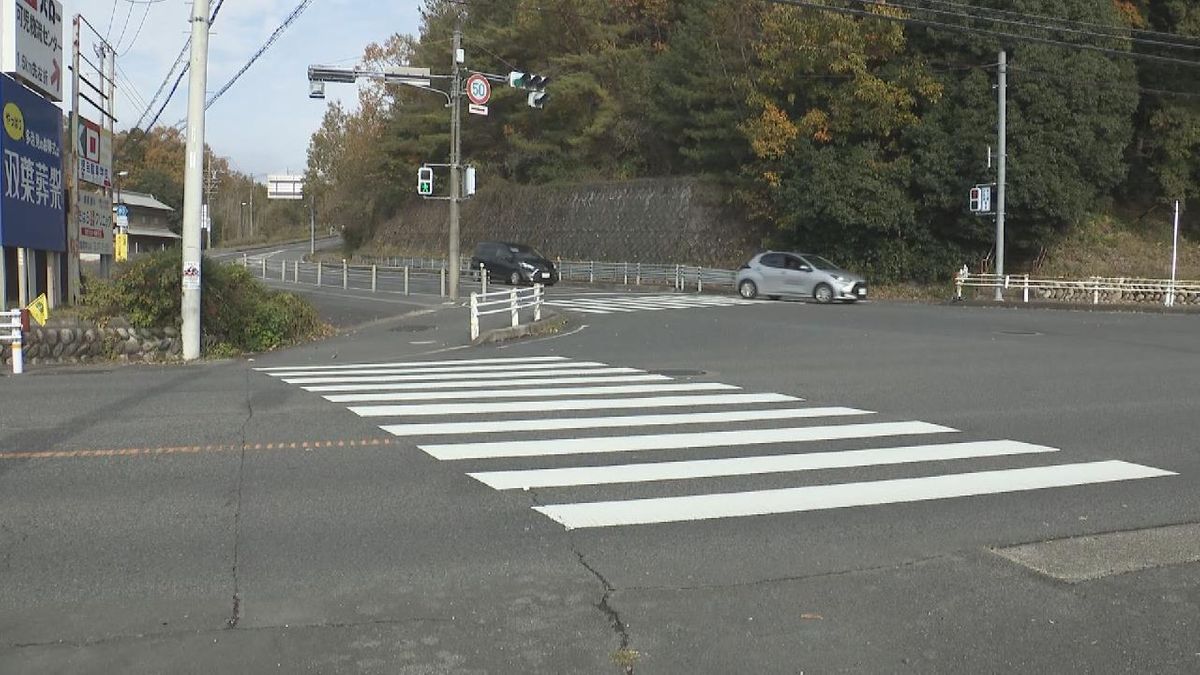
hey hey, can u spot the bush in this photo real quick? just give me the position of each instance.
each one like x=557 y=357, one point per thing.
x=238 y=314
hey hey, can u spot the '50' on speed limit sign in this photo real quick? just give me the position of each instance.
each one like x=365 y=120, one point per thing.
x=479 y=90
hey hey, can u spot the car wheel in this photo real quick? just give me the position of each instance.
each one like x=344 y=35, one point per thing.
x=748 y=289
x=823 y=294
x=514 y=278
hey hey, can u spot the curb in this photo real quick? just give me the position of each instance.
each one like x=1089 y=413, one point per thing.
x=546 y=326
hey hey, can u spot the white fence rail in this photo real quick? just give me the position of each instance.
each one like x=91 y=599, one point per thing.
x=1097 y=290
x=11 y=325
x=509 y=302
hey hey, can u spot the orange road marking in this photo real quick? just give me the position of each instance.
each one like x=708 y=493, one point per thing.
x=189 y=449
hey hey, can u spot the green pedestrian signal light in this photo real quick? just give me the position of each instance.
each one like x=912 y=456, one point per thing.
x=425 y=181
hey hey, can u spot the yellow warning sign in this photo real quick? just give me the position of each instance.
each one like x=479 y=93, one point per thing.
x=121 y=246
x=39 y=309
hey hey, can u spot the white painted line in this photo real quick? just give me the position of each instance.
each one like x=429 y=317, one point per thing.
x=624 y=421
x=474 y=379
x=749 y=466
x=539 y=392
x=567 y=404
x=844 y=495
x=711 y=439
x=385 y=375
x=475 y=384
x=403 y=364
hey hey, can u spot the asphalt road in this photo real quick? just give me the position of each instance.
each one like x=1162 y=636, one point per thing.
x=158 y=518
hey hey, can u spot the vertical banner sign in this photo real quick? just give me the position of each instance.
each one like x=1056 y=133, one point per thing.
x=95 y=223
x=95 y=154
x=31 y=44
x=32 y=209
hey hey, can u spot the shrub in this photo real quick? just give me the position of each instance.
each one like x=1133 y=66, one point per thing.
x=238 y=314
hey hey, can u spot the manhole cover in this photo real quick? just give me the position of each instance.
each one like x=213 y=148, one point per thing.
x=678 y=373
x=411 y=329
x=1019 y=332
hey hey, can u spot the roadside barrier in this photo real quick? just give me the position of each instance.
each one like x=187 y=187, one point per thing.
x=1097 y=290
x=13 y=324
x=510 y=301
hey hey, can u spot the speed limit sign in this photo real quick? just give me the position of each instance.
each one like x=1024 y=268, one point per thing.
x=479 y=90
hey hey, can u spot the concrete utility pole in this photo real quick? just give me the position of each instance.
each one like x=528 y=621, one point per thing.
x=455 y=158
x=1001 y=159
x=193 y=182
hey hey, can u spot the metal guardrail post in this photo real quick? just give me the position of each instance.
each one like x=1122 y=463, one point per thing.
x=483 y=278
x=1095 y=290
x=320 y=266
x=296 y=271
x=406 y=279
x=512 y=304
x=591 y=271
x=638 y=282
x=699 y=280
x=1025 y=293
x=626 y=274
x=283 y=270
x=539 y=291
x=245 y=261
x=264 y=268
x=345 y=275
x=442 y=282
x=474 y=317
x=374 y=278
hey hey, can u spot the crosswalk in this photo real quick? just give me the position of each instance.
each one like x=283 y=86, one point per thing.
x=659 y=433
x=613 y=303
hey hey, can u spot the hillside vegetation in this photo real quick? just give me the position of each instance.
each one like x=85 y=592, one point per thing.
x=858 y=135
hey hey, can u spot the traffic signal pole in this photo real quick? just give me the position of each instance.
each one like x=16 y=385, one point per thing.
x=455 y=159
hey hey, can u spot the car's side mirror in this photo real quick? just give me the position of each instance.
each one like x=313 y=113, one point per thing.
x=805 y=268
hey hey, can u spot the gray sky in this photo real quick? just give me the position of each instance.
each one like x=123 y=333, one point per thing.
x=264 y=122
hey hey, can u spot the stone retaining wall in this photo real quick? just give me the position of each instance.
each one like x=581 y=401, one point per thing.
x=74 y=341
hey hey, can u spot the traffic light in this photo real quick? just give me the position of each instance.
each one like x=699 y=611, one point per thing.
x=976 y=196
x=537 y=99
x=425 y=181
x=527 y=81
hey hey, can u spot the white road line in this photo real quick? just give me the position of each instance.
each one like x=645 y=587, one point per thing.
x=844 y=495
x=402 y=364
x=540 y=392
x=476 y=384
x=448 y=428
x=749 y=466
x=712 y=439
x=474 y=379
x=387 y=375
x=568 y=404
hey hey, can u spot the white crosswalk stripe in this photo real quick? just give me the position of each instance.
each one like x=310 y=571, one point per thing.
x=636 y=302
x=714 y=418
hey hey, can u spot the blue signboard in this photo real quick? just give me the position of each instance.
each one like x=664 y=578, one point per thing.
x=32 y=196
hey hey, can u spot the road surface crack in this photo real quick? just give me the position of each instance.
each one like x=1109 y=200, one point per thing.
x=235 y=614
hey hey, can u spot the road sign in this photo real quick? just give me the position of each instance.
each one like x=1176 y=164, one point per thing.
x=95 y=153
x=479 y=90
x=122 y=211
x=39 y=309
x=477 y=109
x=425 y=181
x=285 y=187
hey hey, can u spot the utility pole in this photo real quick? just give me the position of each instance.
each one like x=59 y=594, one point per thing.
x=1001 y=159
x=455 y=158
x=192 y=182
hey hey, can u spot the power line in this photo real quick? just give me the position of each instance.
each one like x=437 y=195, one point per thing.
x=125 y=27
x=141 y=24
x=295 y=14
x=1026 y=24
x=981 y=31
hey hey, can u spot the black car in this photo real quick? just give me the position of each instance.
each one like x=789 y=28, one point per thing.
x=513 y=263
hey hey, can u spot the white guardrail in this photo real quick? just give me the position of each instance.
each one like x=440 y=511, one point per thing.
x=511 y=302
x=12 y=324
x=1099 y=290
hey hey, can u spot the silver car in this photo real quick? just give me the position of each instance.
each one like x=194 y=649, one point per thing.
x=802 y=275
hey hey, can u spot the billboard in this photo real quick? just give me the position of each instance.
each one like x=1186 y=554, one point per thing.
x=95 y=153
x=95 y=222
x=31 y=44
x=32 y=210
x=285 y=187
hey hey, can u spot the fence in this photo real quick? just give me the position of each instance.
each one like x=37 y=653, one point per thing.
x=12 y=324
x=510 y=301
x=1099 y=290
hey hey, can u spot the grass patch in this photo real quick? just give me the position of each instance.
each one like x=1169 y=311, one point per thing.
x=1108 y=247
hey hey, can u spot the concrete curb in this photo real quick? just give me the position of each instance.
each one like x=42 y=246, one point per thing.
x=547 y=326
x=1077 y=307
